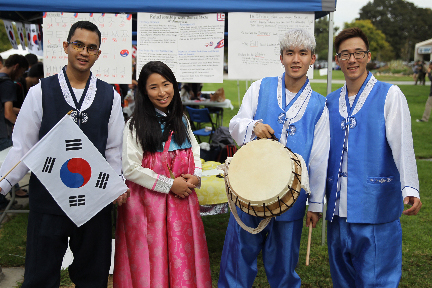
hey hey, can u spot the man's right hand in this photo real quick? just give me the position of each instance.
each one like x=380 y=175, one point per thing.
x=263 y=130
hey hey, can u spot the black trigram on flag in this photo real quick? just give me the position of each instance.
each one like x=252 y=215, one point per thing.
x=77 y=200
x=102 y=180
x=49 y=164
x=74 y=144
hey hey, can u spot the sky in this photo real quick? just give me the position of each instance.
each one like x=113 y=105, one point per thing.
x=348 y=10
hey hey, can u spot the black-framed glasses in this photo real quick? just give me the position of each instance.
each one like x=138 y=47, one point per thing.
x=357 y=55
x=79 y=46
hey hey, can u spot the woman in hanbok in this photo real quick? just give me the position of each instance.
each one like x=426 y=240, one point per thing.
x=160 y=240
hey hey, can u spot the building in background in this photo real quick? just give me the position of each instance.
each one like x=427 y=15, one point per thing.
x=423 y=51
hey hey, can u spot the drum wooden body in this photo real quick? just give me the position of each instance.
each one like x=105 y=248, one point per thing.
x=263 y=178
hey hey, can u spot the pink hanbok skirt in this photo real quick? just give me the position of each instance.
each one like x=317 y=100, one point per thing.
x=160 y=240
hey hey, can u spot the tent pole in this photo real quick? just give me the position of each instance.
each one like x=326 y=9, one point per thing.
x=329 y=78
x=238 y=92
x=330 y=53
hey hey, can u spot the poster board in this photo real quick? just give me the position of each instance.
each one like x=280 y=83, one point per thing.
x=253 y=51
x=115 y=62
x=192 y=45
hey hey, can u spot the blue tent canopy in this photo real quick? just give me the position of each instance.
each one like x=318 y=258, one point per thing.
x=24 y=10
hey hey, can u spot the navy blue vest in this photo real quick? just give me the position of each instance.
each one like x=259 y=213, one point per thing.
x=373 y=183
x=301 y=141
x=95 y=128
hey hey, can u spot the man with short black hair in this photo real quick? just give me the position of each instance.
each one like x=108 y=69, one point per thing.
x=24 y=83
x=32 y=59
x=15 y=66
x=371 y=173
x=97 y=111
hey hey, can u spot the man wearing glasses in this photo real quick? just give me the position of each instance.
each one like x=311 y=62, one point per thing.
x=371 y=174
x=97 y=111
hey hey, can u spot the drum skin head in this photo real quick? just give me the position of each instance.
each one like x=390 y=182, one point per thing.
x=261 y=171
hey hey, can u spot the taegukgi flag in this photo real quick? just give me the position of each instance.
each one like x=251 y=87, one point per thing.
x=34 y=39
x=10 y=33
x=21 y=33
x=71 y=168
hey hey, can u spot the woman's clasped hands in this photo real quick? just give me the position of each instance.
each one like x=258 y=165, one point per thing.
x=183 y=185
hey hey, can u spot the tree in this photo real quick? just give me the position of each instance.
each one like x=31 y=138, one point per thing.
x=402 y=23
x=321 y=37
x=378 y=46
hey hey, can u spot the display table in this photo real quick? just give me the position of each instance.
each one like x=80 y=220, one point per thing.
x=211 y=104
x=208 y=103
x=212 y=195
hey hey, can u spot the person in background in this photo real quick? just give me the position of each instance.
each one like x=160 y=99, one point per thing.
x=160 y=240
x=14 y=68
x=35 y=73
x=191 y=91
x=371 y=173
x=428 y=105
x=32 y=59
x=421 y=78
x=287 y=107
x=131 y=91
x=415 y=71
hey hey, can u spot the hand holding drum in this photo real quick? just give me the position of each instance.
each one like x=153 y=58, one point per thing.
x=263 y=130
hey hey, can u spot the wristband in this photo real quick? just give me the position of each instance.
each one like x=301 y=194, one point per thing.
x=256 y=123
x=199 y=180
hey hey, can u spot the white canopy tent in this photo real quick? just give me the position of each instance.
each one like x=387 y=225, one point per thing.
x=19 y=51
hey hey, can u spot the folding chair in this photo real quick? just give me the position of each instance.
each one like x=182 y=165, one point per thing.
x=219 y=115
x=198 y=118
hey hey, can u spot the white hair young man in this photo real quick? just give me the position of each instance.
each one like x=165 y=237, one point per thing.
x=287 y=107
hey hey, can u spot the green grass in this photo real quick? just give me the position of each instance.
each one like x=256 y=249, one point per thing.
x=417 y=239
x=13 y=238
x=338 y=75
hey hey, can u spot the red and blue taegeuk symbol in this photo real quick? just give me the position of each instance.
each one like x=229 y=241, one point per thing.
x=75 y=172
x=220 y=44
x=35 y=40
x=124 y=52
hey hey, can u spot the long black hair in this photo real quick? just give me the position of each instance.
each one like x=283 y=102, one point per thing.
x=145 y=119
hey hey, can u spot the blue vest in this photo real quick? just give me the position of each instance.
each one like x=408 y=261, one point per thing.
x=299 y=142
x=373 y=183
x=95 y=128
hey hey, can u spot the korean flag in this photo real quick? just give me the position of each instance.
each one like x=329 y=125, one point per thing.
x=21 y=34
x=10 y=33
x=78 y=177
